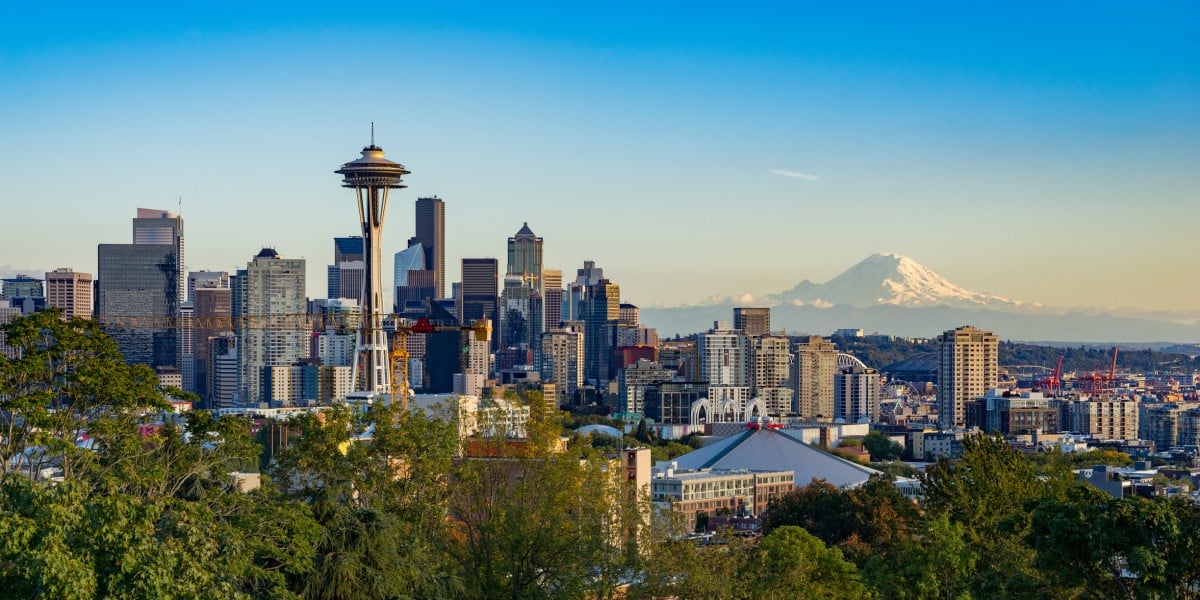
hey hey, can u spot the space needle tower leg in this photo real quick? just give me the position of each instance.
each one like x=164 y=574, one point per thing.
x=372 y=176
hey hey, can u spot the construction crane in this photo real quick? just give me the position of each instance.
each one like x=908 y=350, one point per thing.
x=482 y=330
x=1053 y=381
x=1098 y=380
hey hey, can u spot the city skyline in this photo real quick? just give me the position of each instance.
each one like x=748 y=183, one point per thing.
x=733 y=151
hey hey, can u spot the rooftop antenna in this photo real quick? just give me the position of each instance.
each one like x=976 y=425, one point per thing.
x=372 y=133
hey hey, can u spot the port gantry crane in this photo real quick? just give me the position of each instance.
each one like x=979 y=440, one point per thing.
x=482 y=330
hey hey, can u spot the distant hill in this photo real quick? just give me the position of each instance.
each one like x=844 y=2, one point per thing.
x=893 y=294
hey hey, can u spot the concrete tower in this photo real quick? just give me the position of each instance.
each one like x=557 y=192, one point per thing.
x=371 y=177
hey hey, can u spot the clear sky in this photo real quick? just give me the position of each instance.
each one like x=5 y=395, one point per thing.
x=1041 y=151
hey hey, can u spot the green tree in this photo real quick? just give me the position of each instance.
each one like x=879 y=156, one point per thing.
x=1118 y=548
x=375 y=482
x=791 y=563
x=872 y=519
x=533 y=521
x=988 y=491
x=882 y=447
x=938 y=565
x=68 y=400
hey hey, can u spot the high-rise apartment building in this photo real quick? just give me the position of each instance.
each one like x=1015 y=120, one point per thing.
x=753 y=321
x=70 y=291
x=816 y=366
x=725 y=365
x=562 y=363
x=967 y=368
x=855 y=391
x=772 y=373
x=270 y=286
x=724 y=356
x=144 y=280
x=431 y=233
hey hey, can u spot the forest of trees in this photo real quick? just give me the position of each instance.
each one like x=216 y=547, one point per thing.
x=381 y=504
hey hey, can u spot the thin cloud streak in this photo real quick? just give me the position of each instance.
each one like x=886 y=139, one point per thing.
x=795 y=174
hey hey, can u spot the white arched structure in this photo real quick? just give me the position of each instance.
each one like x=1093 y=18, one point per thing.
x=708 y=410
x=848 y=360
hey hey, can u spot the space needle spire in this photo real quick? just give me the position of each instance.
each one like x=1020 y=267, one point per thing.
x=371 y=176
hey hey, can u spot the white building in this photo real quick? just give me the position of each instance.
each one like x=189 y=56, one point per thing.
x=269 y=297
x=855 y=391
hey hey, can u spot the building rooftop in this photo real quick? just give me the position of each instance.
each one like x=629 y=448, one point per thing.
x=776 y=450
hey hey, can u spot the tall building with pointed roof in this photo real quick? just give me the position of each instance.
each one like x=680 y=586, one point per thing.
x=525 y=257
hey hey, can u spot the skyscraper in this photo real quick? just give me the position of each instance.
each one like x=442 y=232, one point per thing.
x=525 y=257
x=70 y=291
x=816 y=366
x=411 y=280
x=269 y=287
x=753 y=321
x=212 y=309
x=481 y=292
x=552 y=299
x=602 y=306
x=968 y=366
x=206 y=279
x=345 y=275
x=431 y=233
x=143 y=281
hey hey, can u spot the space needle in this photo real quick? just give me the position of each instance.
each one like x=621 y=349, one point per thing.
x=372 y=176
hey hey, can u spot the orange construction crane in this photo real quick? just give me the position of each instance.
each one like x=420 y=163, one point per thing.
x=481 y=328
x=1053 y=382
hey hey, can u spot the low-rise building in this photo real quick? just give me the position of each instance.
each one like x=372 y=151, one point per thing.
x=718 y=491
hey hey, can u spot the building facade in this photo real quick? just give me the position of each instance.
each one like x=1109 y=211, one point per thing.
x=752 y=321
x=967 y=367
x=270 y=289
x=431 y=233
x=70 y=291
x=813 y=378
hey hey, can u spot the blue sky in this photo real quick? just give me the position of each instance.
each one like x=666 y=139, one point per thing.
x=1046 y=153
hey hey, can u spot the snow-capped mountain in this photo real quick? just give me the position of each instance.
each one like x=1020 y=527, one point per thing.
x=894 y=294
x=889 y=279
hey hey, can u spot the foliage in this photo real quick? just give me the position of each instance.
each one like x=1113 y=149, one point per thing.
x=871 y=519
x=532 y=521
x=1118 y=548
x=882 y=447
x=788 y=563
